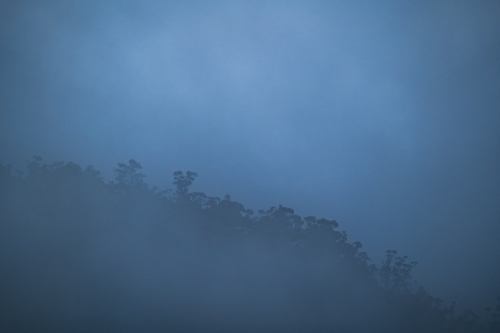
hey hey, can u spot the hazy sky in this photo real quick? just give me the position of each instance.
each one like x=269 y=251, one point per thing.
x=382 y=115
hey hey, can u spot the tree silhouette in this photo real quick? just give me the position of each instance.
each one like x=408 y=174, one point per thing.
x=128 y=175
x=395 y=273
x=182 y=182
x=128 y=249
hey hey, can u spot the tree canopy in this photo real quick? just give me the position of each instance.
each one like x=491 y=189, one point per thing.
x=79 y=253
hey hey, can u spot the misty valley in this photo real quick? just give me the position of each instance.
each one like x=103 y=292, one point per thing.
x=82 y=254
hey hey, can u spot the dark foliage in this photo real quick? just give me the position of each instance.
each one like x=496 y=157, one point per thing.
x=79 y=254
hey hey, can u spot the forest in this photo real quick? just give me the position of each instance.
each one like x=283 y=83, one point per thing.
x=82 y=254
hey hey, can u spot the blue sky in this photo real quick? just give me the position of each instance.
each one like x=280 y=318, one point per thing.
x=384 y=116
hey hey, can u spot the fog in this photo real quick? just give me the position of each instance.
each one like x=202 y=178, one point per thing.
x=383 y=116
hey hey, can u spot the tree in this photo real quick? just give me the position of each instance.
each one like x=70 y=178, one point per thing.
x=128 y=175
x=395 y=273
x=182 y=182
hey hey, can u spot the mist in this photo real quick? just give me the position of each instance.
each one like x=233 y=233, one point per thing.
x=383 y=117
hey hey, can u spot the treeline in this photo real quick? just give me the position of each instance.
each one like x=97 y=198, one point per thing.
x=79 y=254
